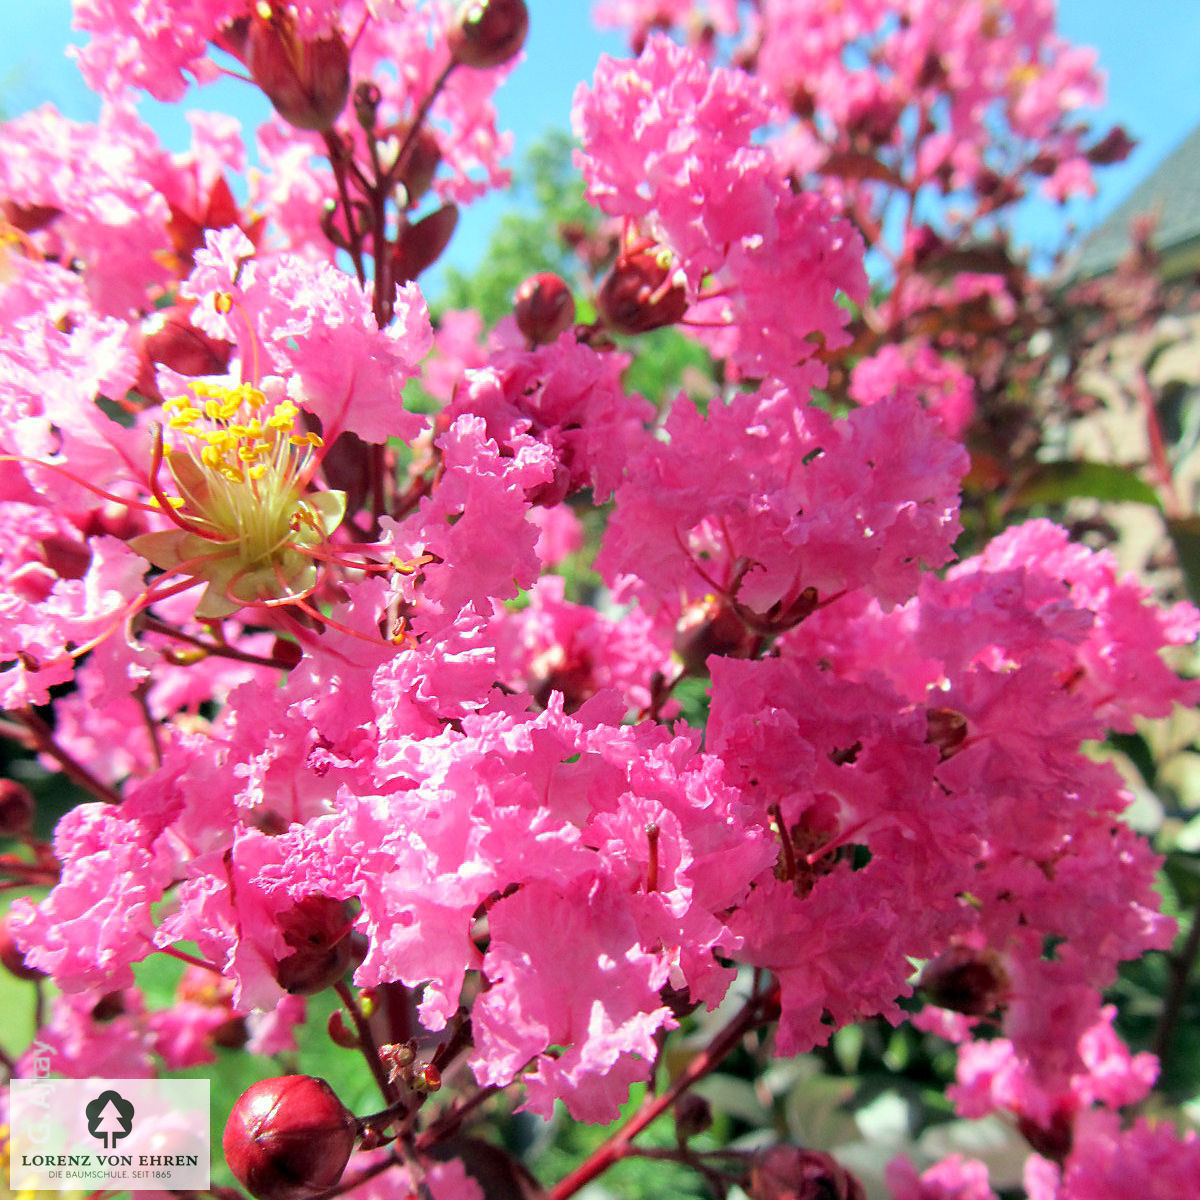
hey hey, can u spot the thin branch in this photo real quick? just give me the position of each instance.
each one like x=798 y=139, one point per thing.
x=366 y=1042
x=43 y=741
x=151 y=624
x=618 y=1145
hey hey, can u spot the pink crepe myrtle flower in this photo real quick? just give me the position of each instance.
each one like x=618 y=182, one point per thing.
x=942 y=386
x=554 y=645
x=759 y=240
x=954 y=1178
x=765 y=497
x=104 y=1033
x=480 y=506
x=315 y=324
x=993 y=1075
x=640 y=16
x=1148 y=1159
x=97 y=190
x=567 y=968
x=566 y=396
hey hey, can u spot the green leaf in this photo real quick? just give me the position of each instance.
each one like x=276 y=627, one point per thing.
x=1058 y=482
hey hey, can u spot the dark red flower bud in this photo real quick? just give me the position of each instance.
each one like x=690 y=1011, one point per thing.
x=171 y=339
x=790 y=1173
x=569 y=670
x=286 y=653
x=1052 y=1141
x=426 y=1078
x=109 y=1007
x=13 y=958
x=711 y=626
x=966 y=980
x=67 y=557
x=289 y=1138
x=487 y=33
x=28 y=218
x=318 y=931
x=544 y=308
x=693 y=1115
x=945 y=729
x=17 y=807
x=308 y=82
x=1045 y=162
x=366 y=104
x=232 y=1034
x=639 y=294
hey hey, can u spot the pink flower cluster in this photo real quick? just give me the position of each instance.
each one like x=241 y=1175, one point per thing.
x=668 y=145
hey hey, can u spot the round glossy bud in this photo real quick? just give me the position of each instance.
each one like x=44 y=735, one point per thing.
x=289 y=1138
x=946 y=729
x=693 y=1115
x=544 y=308
x=12 y=957
x=16 y=808
x=286 y=653
x=487 y=33
x=1052 y=1140
x=318 y=931
x=966 y=980
x=427 y=1078
x=790 y=1173
x=308 y=82
x=639 y=294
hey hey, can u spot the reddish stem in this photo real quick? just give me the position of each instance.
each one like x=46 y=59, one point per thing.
x=43 y=741
x=154 y=625
x=190 y=959
x=1158 y=449
x=366 y=1042
x=337 y=160
x=618 y=1146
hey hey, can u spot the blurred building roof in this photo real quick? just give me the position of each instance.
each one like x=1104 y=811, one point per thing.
x=1171 y=192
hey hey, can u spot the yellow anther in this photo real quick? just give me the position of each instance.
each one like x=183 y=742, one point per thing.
x=223 y=302
x=284 y=416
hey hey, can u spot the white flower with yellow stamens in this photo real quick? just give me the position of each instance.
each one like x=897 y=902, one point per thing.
x=246 y=523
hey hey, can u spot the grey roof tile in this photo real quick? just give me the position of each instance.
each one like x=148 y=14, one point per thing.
x=1171 y=191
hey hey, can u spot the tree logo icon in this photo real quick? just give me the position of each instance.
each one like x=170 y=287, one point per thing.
x=109 y=1118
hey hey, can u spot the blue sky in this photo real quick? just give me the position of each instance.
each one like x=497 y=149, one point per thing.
x=1147 y=47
